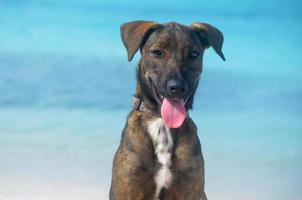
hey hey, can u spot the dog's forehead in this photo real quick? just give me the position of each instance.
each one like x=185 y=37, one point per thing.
x=176 y=26
x=173 y=33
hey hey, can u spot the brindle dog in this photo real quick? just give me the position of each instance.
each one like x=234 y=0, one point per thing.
x=154 y=161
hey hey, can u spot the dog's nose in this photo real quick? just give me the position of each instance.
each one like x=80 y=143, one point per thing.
x=176 y=88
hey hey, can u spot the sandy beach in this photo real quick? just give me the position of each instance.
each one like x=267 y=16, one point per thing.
x=62 y=162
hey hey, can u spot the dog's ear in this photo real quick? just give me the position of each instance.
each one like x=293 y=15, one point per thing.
x=134 y=35
x=210 y=36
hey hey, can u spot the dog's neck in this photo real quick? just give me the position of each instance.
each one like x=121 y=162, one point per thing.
x=138 y=104
x=141 y=101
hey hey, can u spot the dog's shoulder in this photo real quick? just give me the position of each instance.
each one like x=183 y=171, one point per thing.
x=135 y=136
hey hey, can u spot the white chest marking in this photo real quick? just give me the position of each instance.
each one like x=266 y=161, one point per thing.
x=163 y=144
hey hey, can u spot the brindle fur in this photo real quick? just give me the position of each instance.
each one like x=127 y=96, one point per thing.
x=135 y=164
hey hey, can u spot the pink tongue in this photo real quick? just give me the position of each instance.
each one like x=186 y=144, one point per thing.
x=173 y=113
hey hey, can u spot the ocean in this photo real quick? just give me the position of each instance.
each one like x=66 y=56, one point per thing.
x=66 y=88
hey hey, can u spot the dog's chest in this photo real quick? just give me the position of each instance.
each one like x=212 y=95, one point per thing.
x=163 y=144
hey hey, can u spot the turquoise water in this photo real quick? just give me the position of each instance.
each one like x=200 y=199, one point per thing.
x=66 y=88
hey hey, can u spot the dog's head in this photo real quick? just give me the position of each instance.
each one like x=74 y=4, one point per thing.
x=172 y=53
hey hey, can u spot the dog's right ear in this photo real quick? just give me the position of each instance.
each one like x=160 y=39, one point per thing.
x=134 y=34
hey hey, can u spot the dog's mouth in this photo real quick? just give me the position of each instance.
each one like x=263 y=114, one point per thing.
x=172 y=110
x=159 y=98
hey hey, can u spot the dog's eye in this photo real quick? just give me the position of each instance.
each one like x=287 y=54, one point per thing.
x=157 y=53
x=193 y=54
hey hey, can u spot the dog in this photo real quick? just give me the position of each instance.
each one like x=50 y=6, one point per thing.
x=159 y=156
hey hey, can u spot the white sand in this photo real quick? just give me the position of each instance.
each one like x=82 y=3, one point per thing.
x=61 y=155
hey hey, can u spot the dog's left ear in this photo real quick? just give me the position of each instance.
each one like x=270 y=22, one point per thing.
x=210 y=36
x=134 y=35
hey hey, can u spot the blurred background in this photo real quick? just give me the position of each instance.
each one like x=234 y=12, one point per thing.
x=66 y=88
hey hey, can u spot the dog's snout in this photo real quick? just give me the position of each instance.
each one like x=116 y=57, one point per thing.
x=176 y=88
